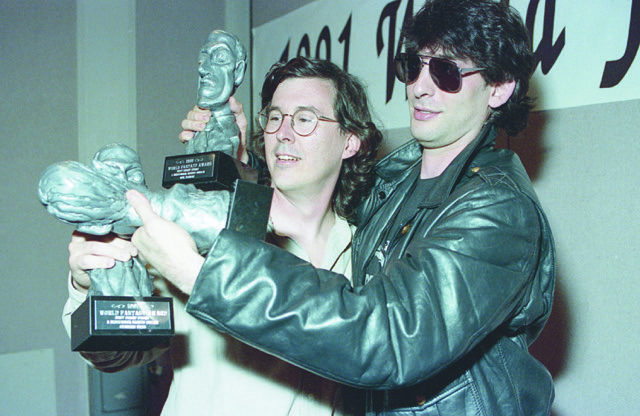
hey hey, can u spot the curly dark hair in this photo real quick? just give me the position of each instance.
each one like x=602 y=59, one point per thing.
x=489 y=34
x=351 y=108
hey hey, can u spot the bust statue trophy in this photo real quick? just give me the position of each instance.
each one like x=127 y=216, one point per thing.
x=208 y=189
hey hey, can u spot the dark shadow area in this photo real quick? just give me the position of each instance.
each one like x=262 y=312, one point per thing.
x=160 y=377
x=528 y=144
x=552 y=346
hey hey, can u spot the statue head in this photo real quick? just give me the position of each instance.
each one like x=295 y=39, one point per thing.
x=121 y=162
x=82 y=196
x=222 y=65
x=93 y=197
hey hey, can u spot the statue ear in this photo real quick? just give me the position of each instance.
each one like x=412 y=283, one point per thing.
x=241 y=67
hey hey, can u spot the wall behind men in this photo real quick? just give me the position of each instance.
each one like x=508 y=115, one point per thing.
x=41 y=45
x=38 y=126
x=583 y=162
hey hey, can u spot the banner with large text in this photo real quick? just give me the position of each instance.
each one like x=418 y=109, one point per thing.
x=585 y=49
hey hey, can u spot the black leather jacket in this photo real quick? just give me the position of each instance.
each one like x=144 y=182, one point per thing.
x=466 y=284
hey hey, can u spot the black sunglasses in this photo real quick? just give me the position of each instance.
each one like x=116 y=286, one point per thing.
x=445 y=73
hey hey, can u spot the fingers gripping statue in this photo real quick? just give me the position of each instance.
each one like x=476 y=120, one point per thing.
x=222 y=65
x=93 y=199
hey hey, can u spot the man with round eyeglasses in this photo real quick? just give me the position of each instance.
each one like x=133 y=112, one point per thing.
x=311 y=217
x=453 y=260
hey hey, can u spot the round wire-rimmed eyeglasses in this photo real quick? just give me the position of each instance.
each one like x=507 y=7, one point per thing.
x=303 y=121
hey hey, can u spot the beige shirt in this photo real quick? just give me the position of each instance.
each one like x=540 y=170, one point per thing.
x=214 y=374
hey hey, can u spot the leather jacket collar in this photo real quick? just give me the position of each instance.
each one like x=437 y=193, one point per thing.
x=401 y=163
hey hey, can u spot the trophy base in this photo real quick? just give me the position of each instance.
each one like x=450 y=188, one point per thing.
x=249 y=209
x=206 y=171
x=250 y=203
x=121 y=323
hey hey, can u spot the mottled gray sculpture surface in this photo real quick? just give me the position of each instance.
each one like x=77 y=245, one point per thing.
x=93 y=199
x=223 y=62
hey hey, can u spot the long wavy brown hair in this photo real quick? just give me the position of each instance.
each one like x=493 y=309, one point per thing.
x=352 y=111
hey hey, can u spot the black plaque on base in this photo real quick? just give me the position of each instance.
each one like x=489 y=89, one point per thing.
x=207 y=171
x=121 y=323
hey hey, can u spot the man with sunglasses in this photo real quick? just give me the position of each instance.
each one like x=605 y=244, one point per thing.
x=453 y=260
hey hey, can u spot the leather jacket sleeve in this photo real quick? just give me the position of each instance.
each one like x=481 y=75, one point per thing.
x=462 y=275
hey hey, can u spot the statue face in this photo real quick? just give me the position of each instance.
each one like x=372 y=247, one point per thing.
x=217 y=71
x=120 y=162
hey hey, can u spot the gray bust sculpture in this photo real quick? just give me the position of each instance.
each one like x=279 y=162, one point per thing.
x=93 y=199
x=222 y=65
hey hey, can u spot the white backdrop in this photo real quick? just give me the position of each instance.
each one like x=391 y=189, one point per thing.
x=574 y=41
